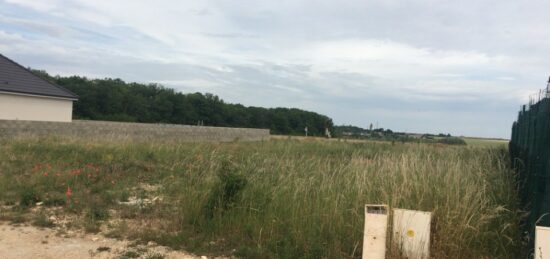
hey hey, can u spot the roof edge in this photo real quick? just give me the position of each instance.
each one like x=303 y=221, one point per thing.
x=72 y=95
x=38 y=95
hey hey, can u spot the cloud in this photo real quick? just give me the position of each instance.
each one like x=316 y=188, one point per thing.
x=10 y=38
x=42 y=6
x=425 y=65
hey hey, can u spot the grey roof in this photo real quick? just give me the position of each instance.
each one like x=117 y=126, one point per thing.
x=15 y=78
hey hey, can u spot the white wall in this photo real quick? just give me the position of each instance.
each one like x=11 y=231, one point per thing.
x=21 y=107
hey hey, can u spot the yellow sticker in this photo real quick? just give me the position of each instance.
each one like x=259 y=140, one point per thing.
x=410 y=233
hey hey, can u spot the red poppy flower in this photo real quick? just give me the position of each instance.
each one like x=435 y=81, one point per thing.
x=69 y=192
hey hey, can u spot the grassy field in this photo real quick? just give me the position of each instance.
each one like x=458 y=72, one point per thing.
x=271 y=199
x=486 y=142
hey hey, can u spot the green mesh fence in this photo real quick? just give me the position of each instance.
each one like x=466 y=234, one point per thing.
x=530 y=151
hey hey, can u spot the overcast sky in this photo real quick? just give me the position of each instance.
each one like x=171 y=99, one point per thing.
x=460 y=67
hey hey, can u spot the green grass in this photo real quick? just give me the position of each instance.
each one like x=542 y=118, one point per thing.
x=271 y=199
x=40 y=220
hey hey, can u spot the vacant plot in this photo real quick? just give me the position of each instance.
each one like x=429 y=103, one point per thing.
x=278 y=198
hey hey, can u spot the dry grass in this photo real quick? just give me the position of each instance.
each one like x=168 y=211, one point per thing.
x=278 y=198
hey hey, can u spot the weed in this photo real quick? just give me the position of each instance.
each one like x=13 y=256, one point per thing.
x=250 y=252
x=15 y=217
x=154 y=256
x=225 y=192
x=129 y=254
x=123 y=195
x=97 y=210
x=57 y=200
x=117 y=230
x=41 y=220
x=103 y=249
x=90 y=225
x=28 y=196
x=272 y=199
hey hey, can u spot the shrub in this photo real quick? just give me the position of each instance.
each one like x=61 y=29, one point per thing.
x=28 y=196
x=41 y=220
x=452 y=141
x=225 y=192
x=97 y=211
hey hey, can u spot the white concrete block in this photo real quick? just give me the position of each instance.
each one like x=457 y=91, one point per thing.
x=542 y=242
x=411 y=232
x=376 y=227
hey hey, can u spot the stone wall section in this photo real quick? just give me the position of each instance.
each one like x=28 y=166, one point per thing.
x=125 y=130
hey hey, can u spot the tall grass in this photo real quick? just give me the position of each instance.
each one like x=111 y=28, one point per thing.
x=278 y=199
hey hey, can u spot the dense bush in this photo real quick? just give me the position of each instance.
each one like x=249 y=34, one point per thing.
x=225 y=192
x=452 y=141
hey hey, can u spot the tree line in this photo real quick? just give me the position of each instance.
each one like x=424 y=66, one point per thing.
x=349 y=131
x=115 y=100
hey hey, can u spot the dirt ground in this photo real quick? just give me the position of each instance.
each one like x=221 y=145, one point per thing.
x=22 y=242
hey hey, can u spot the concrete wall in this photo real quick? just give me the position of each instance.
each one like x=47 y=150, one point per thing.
x=128 y=131
x=24 y=107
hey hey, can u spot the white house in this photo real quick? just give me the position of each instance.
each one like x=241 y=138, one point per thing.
x=25 y=96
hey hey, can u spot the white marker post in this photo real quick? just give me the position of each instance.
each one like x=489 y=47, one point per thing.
x=374 y=237
x=542 y=242
x=411 y=232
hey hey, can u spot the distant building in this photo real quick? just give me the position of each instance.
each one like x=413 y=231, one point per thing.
x=25 y=96
x=415 y=135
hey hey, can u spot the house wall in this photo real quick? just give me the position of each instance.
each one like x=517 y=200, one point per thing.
x=32 y=108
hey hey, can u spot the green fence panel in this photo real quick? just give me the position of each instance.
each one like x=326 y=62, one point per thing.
x=530 y=153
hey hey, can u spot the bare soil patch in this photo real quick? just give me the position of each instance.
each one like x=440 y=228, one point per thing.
x=22 y=242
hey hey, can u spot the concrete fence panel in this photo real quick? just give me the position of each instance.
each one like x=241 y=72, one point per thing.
x=125 y=130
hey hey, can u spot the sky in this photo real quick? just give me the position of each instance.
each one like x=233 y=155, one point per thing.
x=425 y=66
